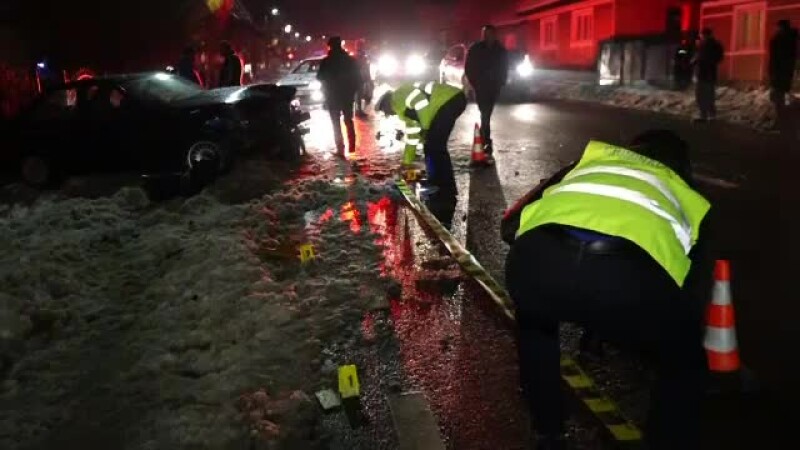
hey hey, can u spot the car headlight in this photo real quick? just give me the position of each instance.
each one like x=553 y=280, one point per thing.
x=525 y=68
x=317 y=96
x=387 y=65
x=315 y=85
x=416 y=65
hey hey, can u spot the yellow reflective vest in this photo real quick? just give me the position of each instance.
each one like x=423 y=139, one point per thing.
x=620 y=193
x=417 y=104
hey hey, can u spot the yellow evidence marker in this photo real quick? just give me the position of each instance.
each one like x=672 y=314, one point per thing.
x=307 y=253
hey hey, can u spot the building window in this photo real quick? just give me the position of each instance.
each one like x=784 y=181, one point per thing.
x=549 y=39
x=748 y=28
x=582 y=28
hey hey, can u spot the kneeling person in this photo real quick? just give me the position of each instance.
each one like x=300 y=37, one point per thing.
x=613 y=244
x=430 y=112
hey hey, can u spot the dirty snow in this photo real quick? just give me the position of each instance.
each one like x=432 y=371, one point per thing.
x=749 y=107
x=186 y=324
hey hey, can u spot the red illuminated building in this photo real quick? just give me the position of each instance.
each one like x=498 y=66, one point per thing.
x=745 y=27
x=568 y=33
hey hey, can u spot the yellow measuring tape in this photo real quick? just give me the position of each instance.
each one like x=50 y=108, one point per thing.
x=602 y=407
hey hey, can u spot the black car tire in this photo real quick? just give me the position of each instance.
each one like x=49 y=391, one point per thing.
x=38 y=171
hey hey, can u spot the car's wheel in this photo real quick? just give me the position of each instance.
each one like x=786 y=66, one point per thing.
x=205 y=160
x=37 y=171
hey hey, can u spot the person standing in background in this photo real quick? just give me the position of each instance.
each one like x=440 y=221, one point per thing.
x=706 y=62
x=486 y=69
x=186 y=66
x=782 y=63
x=231 y=72
x=340 y=79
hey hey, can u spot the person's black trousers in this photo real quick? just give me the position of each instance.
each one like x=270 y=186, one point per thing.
x=625 y=298
x=343 y=109
x=706 y=97
x=486 y=99
x=437 y=158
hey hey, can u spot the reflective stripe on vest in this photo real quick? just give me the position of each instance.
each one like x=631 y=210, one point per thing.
x=411 y=97
x=683 y=231
x=640 y=175
x=429 y=88
x=422 y=104
x=413 y=130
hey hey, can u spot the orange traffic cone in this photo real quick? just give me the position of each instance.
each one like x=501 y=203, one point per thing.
x=720 y=341
x=478 y=155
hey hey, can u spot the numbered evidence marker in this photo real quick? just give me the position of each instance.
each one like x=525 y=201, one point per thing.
x=412 y=175
x=350 y=391
x=307 y=253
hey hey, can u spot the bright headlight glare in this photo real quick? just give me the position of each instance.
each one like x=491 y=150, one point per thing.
x=315 y=85
x=416 y=65
x=387 y=65
x=525 y=68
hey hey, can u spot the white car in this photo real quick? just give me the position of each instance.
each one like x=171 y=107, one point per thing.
x=304 y=79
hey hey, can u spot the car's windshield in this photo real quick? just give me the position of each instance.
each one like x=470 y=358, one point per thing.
x=310 y=66
x=161 y=87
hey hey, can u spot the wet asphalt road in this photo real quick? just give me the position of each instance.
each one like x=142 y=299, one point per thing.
x=749 y=178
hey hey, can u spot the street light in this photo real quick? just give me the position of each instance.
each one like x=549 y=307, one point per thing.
x=287 y=29
x=308 y=38
x=296 y=34
x=275 y=11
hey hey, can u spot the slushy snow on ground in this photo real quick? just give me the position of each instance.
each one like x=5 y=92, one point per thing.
x=187 y=324
x=749 y=107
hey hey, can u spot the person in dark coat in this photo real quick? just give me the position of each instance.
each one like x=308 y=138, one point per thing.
x=706 y=62
x=782 y=63
x=231 y=72
x=341 y=79
x=486 y=69
x=186 y=66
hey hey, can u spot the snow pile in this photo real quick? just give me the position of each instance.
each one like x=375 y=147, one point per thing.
x=190 y=324
x=749 y=107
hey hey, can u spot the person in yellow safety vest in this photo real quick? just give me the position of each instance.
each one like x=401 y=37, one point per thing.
x=429 y=111
x=615 y=243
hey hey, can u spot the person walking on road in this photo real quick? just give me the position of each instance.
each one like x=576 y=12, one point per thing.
x=486 y=69
x=340 y=78
x=616 y=243
x=430 y=112
x=364 y=94
x=231 y=72
x=709 y=54
x=782 y=64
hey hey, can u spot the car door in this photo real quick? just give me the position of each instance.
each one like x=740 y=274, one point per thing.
x=99 y=129
x=50 y=129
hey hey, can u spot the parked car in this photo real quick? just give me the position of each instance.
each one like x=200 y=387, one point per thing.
x=521 y=71
x=154 y=123
x=304 y=78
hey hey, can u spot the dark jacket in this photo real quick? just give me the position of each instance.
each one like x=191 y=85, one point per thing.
x=186 y=70
x=782 y=59
x=709 y=55
x=340 y=77
x=487 y=66
x=231 y=72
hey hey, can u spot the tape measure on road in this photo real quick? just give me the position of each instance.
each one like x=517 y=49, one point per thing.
x=602 y=407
